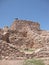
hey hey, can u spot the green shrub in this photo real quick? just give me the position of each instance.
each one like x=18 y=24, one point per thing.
x=34 y=62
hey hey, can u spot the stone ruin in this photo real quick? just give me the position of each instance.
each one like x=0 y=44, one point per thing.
x=23 y=35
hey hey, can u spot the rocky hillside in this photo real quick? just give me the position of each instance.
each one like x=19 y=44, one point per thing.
x=23 y=39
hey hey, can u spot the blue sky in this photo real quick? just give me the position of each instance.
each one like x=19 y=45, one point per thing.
x=35 y=10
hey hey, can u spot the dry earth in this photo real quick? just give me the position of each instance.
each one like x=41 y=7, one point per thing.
x=11 y=62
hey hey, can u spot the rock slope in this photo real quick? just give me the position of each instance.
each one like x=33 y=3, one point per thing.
x=22 y=36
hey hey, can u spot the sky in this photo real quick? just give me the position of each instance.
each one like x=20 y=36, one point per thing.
x=34 y=10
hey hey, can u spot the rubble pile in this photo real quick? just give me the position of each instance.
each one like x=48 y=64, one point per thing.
x=23 y=35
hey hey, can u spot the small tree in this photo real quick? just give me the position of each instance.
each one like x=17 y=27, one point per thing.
x=16 y=18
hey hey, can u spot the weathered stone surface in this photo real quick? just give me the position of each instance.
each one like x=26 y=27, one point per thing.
x=23 y=35
x=20 y=24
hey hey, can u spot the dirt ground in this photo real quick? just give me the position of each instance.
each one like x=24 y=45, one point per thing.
x=11 y=62
x=21 y=62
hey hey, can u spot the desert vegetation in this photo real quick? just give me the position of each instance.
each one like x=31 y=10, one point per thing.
x=33 y=62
